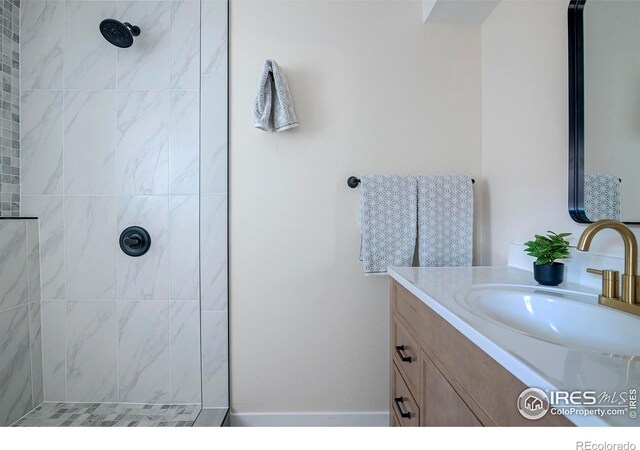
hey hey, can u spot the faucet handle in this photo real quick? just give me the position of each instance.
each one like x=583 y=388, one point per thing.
x=604 y=273
x=609 y=282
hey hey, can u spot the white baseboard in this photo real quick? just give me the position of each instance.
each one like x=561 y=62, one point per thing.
x=292 y=419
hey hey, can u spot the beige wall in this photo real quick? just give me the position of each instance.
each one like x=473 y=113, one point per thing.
x=524 y=127
x=375 y=90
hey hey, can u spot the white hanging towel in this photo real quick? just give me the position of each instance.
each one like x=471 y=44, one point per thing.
x=273 y=109
x=445 y=221
x=602 y=197
x=387 y=221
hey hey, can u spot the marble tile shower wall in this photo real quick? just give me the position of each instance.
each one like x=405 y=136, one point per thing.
x=110 y=139
x=21 y=380
x=10 y=102
x=213 y=204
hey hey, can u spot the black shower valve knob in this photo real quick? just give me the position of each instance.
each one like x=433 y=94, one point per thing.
x=135 y=241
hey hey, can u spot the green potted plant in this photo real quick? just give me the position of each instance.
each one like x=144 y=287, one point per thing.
x=547 y=249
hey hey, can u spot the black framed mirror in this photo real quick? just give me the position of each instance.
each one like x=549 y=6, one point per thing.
x=604 y=110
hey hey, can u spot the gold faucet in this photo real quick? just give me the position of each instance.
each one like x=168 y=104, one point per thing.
x=629 y=302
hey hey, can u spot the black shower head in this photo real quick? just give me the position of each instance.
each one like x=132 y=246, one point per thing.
x=118 y=33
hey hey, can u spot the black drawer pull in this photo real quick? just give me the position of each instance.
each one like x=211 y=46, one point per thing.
x=399 y=350
x=406 y=415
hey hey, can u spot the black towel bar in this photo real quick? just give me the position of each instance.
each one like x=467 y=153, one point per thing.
x=353 y=182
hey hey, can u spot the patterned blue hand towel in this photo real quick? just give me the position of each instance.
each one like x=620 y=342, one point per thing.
x=602 y=197
x=273 y=110
x=387 y=221
x=445 y=221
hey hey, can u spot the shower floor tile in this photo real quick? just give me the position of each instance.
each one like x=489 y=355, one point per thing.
x=109 y=415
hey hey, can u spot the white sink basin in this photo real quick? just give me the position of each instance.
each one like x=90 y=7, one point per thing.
x=566 y=318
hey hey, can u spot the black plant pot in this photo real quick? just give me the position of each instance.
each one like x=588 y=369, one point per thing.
x=548 y=274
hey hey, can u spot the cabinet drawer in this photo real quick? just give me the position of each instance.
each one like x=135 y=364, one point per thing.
x=441 y=404
x=402 y=402
x=406 y=351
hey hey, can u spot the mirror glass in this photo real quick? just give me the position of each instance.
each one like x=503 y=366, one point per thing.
x=608 y=76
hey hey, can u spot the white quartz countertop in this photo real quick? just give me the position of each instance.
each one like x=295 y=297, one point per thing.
x=535 y=362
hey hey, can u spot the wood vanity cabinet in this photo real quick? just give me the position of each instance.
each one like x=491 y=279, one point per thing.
x=440 y=378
